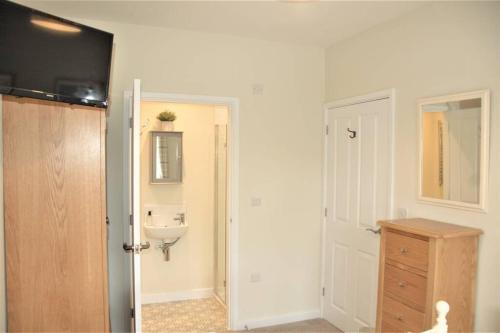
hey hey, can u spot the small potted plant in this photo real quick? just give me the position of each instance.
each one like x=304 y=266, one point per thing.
x=167 y=120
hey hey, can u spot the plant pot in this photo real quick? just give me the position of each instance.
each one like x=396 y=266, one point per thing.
x=167 y=126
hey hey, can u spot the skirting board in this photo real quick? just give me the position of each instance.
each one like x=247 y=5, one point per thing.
x=278 y=320
x=177 y=296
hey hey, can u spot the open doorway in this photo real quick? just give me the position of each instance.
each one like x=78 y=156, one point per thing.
x=187 y=196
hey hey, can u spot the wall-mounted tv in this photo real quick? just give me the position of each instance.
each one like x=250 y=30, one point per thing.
x=47 y=57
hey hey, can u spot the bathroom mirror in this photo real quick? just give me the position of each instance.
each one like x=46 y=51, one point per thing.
x=454 y=140
x=166 y=157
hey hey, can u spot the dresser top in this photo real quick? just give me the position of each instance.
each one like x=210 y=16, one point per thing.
x=430 y=228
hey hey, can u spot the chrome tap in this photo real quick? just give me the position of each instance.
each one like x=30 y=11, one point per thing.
x=181 y=217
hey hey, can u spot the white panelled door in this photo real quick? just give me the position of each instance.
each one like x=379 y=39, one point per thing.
x=135 y=180
x=358 y=193
x=132 y=199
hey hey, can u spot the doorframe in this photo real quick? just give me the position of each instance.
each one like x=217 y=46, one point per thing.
x=378 y=95
x=232 y=238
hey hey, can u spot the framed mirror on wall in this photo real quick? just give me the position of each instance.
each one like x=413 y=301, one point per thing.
x=454 y=150
x=166 y=157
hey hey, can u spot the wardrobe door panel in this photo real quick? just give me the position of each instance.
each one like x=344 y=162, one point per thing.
x=54 y=216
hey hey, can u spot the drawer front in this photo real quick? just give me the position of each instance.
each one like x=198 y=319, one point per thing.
x=410 y=288
x=407 y=250
x=400 y=316
x=389 y=328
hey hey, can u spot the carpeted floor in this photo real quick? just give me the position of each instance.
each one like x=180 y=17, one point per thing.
x=208 y=315
x=309 y=326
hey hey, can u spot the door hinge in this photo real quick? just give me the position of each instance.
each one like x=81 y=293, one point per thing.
x=224 y=283
x=323 y=291
x=131 y=218
x=132 y=313
x=130 y=122
x=326 y=212
x=107 y=220
x=326 y=129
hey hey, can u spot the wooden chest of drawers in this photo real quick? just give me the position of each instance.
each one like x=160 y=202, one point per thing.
x=421 y=262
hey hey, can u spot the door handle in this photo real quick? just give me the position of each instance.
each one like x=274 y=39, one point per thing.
x=136 y=248
x=144 y=246
x=128 y=247
x=375 y=231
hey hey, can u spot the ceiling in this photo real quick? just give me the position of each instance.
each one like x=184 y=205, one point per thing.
x=320 y=23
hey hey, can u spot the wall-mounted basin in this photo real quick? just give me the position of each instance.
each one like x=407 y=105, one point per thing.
x=168 y=233
x=165 y=222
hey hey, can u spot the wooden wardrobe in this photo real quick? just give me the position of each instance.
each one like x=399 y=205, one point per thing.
x=55 y=216
x=422 y=262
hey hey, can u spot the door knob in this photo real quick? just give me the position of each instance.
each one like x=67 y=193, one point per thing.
x=144 y=246
x=136 y=248
x=127 y=247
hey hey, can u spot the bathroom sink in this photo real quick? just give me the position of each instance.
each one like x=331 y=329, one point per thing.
x=165 y=222
x=168 y=233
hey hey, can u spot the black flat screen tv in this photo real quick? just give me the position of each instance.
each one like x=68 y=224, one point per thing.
x=47 y=57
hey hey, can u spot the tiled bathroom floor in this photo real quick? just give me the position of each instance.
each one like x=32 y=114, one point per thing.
x=208 y=315
x=197 y=315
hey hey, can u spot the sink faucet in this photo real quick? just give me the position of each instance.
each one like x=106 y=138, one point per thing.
x=181 y=217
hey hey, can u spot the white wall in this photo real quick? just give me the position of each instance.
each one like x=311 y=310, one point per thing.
x=280 y=153
x=191 y=265
x=439 y=49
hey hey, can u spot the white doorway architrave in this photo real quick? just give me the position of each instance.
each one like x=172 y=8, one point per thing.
x=233 y=176
x=375 y=96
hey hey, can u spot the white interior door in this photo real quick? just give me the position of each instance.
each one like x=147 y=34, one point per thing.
x=132 y=188
x=136 y=200
x=358 y=193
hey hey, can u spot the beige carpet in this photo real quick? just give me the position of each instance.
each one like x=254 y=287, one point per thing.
x=208 y=315
x=309 y=326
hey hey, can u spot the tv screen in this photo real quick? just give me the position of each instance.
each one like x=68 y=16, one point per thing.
x=47 y=57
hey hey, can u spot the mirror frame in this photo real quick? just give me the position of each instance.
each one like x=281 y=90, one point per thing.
x=180 y=158
x=481 y=206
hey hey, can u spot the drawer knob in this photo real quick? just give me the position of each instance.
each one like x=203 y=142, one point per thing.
x=403 y=250
x=400 y=318
x=402 y=284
